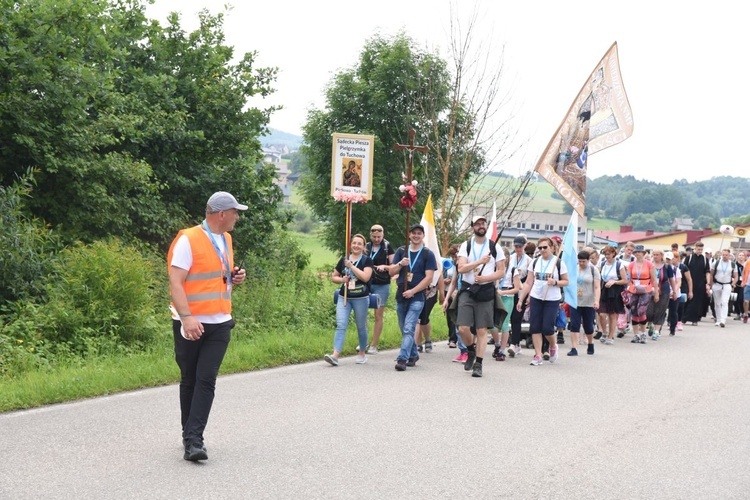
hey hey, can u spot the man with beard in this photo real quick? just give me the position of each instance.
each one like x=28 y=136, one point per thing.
x=479 y=264
x=697 y=264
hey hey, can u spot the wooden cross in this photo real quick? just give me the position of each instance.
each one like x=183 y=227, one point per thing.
x=410 y=148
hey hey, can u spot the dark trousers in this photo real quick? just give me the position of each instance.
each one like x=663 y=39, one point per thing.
x=452 y=330
x=672 y=314
x=516 y=318
x=199 y=362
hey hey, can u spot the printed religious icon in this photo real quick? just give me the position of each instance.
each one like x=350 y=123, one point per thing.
x=351 y=169
x=409 y=276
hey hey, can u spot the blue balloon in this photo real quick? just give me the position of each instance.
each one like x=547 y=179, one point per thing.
x=447 y=264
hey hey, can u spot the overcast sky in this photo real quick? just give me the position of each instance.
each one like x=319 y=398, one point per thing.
x=683 y=67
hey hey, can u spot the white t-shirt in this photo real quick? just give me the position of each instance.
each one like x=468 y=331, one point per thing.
x=475 y=252
x=544 y=270
x=522 y=265
x=724 y=271
x=182 y=257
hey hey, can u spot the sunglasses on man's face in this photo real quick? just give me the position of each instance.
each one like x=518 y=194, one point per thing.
x=543 y=247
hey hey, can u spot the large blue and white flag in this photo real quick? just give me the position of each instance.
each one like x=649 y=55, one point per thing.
x=570 y=257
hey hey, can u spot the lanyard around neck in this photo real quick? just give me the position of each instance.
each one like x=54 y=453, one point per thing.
x=222 y=255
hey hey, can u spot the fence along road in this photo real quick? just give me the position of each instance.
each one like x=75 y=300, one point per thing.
x=663 y=420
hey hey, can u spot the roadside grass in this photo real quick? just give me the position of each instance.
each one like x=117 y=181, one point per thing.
x=249 y=350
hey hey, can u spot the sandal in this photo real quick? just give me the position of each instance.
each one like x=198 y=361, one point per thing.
x=452 y=344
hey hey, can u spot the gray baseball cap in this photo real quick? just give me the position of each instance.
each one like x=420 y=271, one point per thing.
x=221 y=200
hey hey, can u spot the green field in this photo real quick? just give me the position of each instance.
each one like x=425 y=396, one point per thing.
x=540 y=191
x=320 y=256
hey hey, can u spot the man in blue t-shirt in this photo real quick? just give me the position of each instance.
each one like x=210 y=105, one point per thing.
x=415 y=268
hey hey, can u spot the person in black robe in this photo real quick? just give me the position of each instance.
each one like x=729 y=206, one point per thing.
x=698 y=265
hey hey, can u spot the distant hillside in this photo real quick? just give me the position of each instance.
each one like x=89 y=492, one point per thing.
x=293 y=142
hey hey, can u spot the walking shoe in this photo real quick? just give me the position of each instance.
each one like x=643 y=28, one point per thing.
x=744 y=318
x=400 y=365
x=471 y=356
x=560 y=338
x=334 y=361
x=590 y=349
x=536 y=361
x=361 y=359
x=573 y=352
x=644 y=339
x=513 y=350
x=598 y=335
x=477 y=370
x=500 y=356
x=496 y=351
x=428 y=346
x=716 y=324
x=419 y=348
x=655 y=336
x=461 y=358
x=636 y=339
x=372 y=350
x=737 y=318
x=650 y=331
x=603 y=340
x=694 y=323
x=721 y=324
x=553 y=354
x=490 y=341
x=620 y=334
x=671 y=334
x=609 y=342
x=679 y=326
x=545 y=356
x=195 y=452
x=529 y=344
x=452 y=344
x=412 y=361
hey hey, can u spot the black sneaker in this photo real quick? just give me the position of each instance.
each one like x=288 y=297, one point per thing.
x=573 y=352
x=400 y=365
x=545 y=356
x=590 y=349
x=472 y=356
x=560 y=338
x=496 y=351
x=620 y=335
x=412 y=361
x=477 y=370
x=195 y=453
x=598 y=335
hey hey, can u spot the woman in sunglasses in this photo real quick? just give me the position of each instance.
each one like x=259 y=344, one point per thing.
x=542 y=293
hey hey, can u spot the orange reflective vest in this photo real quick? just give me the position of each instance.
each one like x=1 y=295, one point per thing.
x=205 y=287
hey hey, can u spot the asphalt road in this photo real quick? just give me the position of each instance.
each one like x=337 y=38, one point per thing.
x=666 y=420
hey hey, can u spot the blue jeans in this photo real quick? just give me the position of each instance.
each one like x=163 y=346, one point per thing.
x=408 y=314
x=359 y=306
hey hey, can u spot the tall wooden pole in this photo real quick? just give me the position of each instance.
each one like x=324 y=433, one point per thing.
x=410 y=148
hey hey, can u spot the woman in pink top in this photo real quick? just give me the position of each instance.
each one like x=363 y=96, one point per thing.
x=641 y=287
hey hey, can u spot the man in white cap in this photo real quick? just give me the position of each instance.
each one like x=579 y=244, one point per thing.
x=201 y=276
x=479 y=264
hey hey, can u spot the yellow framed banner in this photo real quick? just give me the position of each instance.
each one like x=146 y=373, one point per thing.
x=351 y=167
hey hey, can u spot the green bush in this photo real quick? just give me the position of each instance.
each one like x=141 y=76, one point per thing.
x=103 y=299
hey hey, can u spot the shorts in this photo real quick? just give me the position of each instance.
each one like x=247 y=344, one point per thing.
x=424 y=318
x=476 y=314
x=746 y=292
x=543 y=315
x=383 y=292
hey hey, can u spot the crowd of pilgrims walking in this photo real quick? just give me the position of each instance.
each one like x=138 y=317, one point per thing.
x=634 y=294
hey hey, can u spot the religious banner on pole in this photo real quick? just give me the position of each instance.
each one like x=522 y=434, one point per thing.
x=598 y=118
x=351 y=167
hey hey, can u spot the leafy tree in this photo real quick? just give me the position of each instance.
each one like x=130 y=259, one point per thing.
x=131 y=125
x=374 y=97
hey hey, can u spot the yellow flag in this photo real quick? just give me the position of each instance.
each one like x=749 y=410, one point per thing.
x=430 y=237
